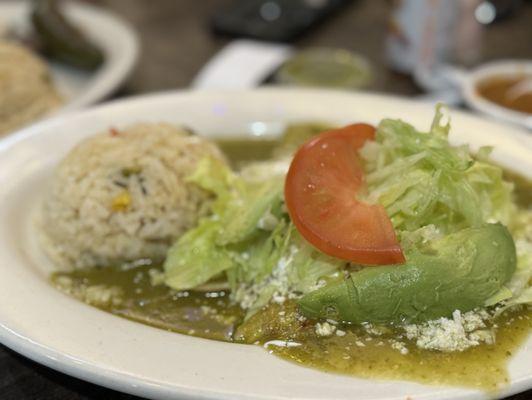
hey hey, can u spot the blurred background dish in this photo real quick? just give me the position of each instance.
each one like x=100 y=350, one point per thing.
x=325 y=67
x=27 y=91
x=181 y=41
x=502 y=89
x=85 y=82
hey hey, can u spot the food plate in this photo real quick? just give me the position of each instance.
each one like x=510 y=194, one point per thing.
x=47 y=326
x=113 y=35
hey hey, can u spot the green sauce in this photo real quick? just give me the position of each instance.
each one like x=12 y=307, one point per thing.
x=211 y=315
x=482 y=367
x=205 y=314
x=243 y=151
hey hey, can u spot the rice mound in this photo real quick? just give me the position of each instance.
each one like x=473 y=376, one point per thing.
x=26 y=90
x=123 y=196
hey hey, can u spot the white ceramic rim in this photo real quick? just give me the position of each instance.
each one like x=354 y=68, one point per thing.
x=115 y=36
x=495 y=69
x=286 y=104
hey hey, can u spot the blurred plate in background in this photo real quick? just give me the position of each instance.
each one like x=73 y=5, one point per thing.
x=113 y=35
x=520 y=70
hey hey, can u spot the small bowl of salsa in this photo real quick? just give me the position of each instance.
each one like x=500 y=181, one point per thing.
x=502 y=89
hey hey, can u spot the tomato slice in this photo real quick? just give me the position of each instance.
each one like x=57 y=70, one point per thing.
x=320 y=193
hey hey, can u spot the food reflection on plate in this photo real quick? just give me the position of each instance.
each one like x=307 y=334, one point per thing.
x=377 y=252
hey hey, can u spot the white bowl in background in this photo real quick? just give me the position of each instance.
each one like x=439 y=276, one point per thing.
x=503 y=68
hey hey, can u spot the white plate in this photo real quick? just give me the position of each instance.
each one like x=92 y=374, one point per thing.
x=62 y=333
x=112 y=34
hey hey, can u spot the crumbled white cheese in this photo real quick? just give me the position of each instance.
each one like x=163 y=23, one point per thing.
x=268 y=221
x=301 y=318
x=156 y=276
x=399 y=346
x=96 y=295
x=430 y=233
x=325 y=329
x=277 y=285
x=375 y=330
x=457 y=334
x=321 y=283
x=281 y=343
x=278 y=298
x=206 y=310
x=102 y=295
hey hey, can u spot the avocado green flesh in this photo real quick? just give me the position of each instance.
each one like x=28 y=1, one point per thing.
x=457 y=272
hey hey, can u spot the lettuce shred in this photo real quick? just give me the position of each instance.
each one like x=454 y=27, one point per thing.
x=422 y=180
x=249 y=238
x=519 y=290
x=431 y=188
x=428 y=187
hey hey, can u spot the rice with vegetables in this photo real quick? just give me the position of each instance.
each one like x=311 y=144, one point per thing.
x=26 y=90
x=123 y=195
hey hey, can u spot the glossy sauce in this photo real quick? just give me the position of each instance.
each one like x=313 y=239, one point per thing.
x=211 y=315
x=242 y=151
x=482 y=367
x=505 y=92
x=204 y=314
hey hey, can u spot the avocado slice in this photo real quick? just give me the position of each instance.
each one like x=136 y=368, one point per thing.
x=458 y=272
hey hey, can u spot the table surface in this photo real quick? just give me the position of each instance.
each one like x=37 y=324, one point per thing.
x=176 y=42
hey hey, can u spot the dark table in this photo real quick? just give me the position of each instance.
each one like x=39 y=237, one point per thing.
x=176 y=42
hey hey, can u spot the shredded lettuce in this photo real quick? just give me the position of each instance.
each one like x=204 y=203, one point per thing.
x=422 y=180
x=518 y=290
x=429 y=189
x=245 y=216
x=250 y=238
x=193 y=260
